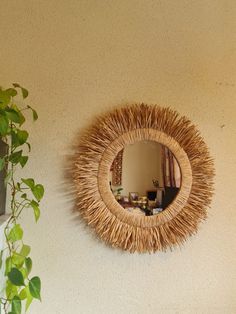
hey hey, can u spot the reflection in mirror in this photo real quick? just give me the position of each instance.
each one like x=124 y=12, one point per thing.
x=145 y=178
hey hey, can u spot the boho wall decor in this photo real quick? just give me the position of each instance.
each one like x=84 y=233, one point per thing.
x=95 y=201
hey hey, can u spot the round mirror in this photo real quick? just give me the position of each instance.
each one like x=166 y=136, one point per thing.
x=145 y=178
x=160 y=173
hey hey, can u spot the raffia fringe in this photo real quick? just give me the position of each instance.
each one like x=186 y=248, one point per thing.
x=97 y=205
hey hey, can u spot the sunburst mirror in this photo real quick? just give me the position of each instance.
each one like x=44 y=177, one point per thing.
x=143 y=177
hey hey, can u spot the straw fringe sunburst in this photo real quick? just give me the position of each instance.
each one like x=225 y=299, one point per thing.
x=96 y=152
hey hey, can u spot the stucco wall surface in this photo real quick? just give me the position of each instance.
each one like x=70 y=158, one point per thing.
x=81 y=58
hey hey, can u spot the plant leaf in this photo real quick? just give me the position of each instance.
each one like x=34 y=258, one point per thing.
x=29 y=298
x=21 y=116
x=38 y=191
x=24 y=272
x=3 y=124
x=16 y=305
x=35 y=287
x=16 y=277
x=5 y=99
x=24 y=195
x=29 y=182
x=13 y=115
x=23 y=160
x=35 y=115
x=2 y=163
x=34 y=112
x=36 y=209
x=22 y=136
x=17 y=259
x=11 y=91
x=25 y=92
x=15 y=157
x=11 y=290
x=28 y=144
x=15 y=234
x=28 y=264
x=8 y=265
x=25 y=250
x=14 y=139
x=23 y=294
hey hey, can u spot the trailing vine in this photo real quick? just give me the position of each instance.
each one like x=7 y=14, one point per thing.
x=20 y=288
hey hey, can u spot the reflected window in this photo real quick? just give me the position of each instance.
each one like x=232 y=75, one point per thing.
x=145 y=178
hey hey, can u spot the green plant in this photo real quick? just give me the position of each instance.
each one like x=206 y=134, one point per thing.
x=20 y=289
x=118 y=191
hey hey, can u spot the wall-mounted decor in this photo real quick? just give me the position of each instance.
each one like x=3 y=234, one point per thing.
x=157 y=145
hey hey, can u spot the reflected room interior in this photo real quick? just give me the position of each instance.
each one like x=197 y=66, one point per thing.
x=145 y=178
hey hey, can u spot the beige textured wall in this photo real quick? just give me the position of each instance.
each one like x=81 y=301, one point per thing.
x=141 y=164
x=80 y=58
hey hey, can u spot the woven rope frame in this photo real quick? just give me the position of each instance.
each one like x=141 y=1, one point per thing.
x=96 y=152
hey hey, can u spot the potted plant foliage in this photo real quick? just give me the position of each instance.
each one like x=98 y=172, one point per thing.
x=20 y=287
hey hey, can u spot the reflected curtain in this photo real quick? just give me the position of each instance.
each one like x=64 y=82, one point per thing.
x=116 y=169
x=170 y=168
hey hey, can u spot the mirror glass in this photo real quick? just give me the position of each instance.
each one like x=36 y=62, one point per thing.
x=145 y=178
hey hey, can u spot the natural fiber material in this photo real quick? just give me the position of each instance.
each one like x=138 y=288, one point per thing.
x=96 y=152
